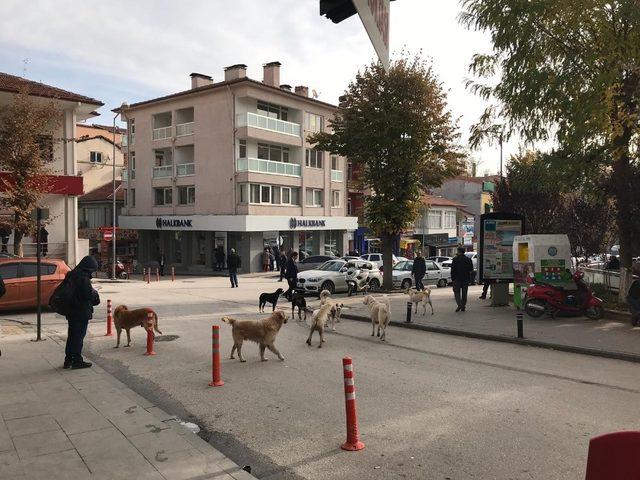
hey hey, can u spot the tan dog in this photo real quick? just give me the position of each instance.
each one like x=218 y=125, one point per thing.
x=422 y=296
x=318 y=321
x=125 y=319
x=325 y=296
x=380 y=315
x=263 y=332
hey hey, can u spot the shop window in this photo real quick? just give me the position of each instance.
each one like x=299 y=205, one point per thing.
x=177 y=247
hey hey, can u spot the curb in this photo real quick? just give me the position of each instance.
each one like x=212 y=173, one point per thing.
x=627 y=357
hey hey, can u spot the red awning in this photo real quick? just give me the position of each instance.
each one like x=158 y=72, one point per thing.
x=57 y=184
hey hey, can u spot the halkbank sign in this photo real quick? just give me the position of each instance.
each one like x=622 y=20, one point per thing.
x=173 y=222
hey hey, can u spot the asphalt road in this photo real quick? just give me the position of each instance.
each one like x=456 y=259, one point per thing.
x=430 y=406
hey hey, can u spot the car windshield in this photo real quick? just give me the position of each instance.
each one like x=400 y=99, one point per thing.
x=470 y=254
x=331 y=266
x=399 y=266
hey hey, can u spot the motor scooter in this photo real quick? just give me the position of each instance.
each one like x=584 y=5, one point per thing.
x=121 y=271
x=544 y=298
x=357 y=280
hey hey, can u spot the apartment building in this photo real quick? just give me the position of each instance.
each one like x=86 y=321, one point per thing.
x=227 y=164
x=437 y=226
x=94 y=154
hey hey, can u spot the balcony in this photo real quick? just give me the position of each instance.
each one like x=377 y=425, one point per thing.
x=185 y=169
x=165 y=171
x=336 y=175
x=250 y=119
x=183 y=129
x=258 y=165
x=161 y=133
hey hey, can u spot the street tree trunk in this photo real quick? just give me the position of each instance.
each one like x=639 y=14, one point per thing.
x=387 y=261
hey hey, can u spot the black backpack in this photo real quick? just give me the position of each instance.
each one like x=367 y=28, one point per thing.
x=63 y=297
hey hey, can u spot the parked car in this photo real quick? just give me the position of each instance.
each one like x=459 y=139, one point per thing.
x=376 y=258
x=19 y=275
x=313 y=261
x=440 y=260
x=331 y=276
x=446 y=264
x=436 y=275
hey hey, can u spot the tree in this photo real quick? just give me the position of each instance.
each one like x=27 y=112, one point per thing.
x=396 y=126
x=26 y=144
x=567 y=71
x=589 y=222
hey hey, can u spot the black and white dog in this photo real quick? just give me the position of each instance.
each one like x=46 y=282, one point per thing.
x=298 y=300
x=271 y=298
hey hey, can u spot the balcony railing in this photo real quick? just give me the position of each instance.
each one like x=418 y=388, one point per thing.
x=336 y=175
x=250 y=119
x=165 y=171
x=185 y=169
x=268 y=166
x=162 y=132
x=183 y=129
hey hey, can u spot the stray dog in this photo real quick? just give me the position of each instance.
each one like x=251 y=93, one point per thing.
x=318 y=322
x=380 y=314
x=263 y=332
x=125 y=319
x=298 y=300
x=272 y=298
x=324 y=296
x=334 y=315
x=418 y=296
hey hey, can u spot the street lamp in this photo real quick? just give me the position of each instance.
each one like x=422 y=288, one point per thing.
x=113 y=224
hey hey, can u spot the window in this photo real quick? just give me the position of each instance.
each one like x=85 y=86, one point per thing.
x=286 y=195
x=9 y=271
x=275 y=153
x=132 y=162
x=177 y=247
x=95 y=157
x=314 y=197
x=335 y=164
x=313 y=158
x=255 y=193
x=132 y=130
x=265 y=194
x=335 y=198
x=432 y=266
x=272 y=110
x=163 y=196
x=243 y=193
x=132 y=200
x=449 y=219
x=349 y=171
x=242 y=149
x=312 y=122
x=349 y=206
x=186 y=195
x=31 y=269
x=435 y=218
x=269 y=194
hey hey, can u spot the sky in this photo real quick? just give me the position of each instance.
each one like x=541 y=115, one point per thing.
x=131 y=51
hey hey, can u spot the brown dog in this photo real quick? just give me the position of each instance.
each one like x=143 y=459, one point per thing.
x=125 y=319
x=263 y=332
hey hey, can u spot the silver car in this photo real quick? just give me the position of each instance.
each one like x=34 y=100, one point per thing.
x=331 y=276
x=313 y=261
x=435 y=275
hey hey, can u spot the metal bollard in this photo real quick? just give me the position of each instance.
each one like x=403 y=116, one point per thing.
x=519 y=318
x=353 y=442
x=409 y=308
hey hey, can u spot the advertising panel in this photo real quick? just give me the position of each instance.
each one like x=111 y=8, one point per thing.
x=497 y=234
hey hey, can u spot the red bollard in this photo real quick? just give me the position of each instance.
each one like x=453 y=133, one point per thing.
x=109 y=319
x=148 y=275
x=215 y=357
x=157 y=274
x=353 y=442
x=150 y=335
x=173 y=274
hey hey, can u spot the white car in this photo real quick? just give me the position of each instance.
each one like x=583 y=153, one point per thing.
x=331 y=276
x=435 y=275
x=439 y=260
x=376 y=258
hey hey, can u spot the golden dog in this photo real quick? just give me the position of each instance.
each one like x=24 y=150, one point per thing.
x=125 y=319
x=318 y=321
x=263 y=332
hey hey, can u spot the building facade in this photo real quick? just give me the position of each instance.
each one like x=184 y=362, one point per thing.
x=437 y=227
x=228 y=165
x=94 y=154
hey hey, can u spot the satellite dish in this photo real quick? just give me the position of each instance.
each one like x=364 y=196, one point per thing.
x=314 y=94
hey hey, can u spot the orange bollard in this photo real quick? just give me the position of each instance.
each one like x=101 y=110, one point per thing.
x=353 y=442
x=150 y=335
x=173 y=273
x=157 y=274
x=215 y=357
x=109 y=319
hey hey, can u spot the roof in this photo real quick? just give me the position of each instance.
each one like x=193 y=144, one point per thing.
x=84 y=138
x=441 y=201
x=215 y=86
x=103 y=194
x=488 y=178
x=14 y=84
x=108 y=128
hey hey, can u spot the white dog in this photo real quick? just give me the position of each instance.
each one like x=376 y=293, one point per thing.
x=422 y=296
x=380 y=314
x=334 y=315
x=325 y=296
x=318 y=322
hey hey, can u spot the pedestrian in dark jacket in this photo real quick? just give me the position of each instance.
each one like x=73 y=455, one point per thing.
x=292 y=275
x=81 y=311
x=419 y=270
x=461 y=272
x=233 y=263
x=161 y=262
x=282 y=263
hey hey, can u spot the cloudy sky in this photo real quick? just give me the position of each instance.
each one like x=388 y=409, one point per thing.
x=135 y=50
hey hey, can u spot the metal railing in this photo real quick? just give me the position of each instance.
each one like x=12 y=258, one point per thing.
x=52 y=250
x=250 y=119
x=162 y=132
x=609 y=278
x=336 y=175
x=163 y=172
x=183 y=129
x=268 y=166
x=185 y=169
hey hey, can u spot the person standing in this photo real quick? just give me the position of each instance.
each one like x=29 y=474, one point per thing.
x=161 y=261
x=282 y=263
x=80 y=312
x=292 y=275
x=461 y=271
x=272 y=260
x=44 y=241
x=233 y=263
x=265 y=260
x=419 y=270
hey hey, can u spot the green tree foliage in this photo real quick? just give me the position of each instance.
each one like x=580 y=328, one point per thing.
x=567 y=71
x=395 y=125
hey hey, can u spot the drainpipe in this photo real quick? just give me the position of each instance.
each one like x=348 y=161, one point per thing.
x=233 y=150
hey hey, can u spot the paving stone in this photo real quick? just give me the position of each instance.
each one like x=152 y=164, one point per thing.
x=159 y=444
x=41 y=444
x=10 y=466
x=16 y=398
x=28 y=425
x=187 y=464
x=24 y=409
x=56 y=466
x=79 y=418
x=135 y=421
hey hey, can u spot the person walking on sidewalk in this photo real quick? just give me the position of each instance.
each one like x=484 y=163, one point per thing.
x=233 y=263
x=265 y=260
x=282 y=263
x=80 y=312
x=419 y=270
x=461 y=271
x=485 y=288
x=292 y=275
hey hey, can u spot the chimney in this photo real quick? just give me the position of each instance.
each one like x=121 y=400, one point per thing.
x=285 y=87
x=271 y=75
x=234 y=72
x=302 y=91
x=200 y=80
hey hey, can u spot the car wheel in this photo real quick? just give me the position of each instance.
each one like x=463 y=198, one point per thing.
x=442 y=283
x=406 y=284
x=328 y=286
x=374 y=284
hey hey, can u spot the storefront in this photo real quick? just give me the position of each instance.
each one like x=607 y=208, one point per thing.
x=189 y=242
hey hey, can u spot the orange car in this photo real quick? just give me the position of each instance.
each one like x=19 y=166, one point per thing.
x=19 y=276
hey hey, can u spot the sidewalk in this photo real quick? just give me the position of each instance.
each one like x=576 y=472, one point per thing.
x=85 y=424
x=610 y=337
